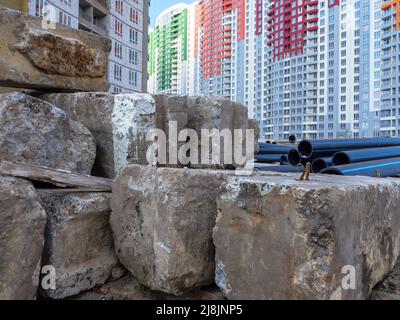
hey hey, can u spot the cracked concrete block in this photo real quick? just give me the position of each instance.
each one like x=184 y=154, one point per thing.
x=162 y=221
x=279 y=238
x=208 y=113
x=36 y=132
x=119 y=124
x=60 y=59
x=22 y=224
x=79 y=242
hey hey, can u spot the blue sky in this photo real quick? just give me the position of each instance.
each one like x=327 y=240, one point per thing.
x=158 y=6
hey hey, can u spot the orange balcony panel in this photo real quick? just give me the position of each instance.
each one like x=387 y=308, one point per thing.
x=396 y=4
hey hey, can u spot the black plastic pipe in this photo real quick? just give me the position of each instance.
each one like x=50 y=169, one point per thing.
x=321 y=148
x=379 y=168
x=287 y=168
x=268 y=158
x=321 y=164
x=292 y=138
x=294 y=158
x=273 y=149
x=284 y=159
x=363 y=155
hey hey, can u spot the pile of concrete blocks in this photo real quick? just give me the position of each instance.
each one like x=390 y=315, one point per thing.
x=121 y=123
x=84 y=214
x=42 y=225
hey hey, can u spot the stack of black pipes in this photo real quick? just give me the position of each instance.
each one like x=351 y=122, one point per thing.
x=376 y=157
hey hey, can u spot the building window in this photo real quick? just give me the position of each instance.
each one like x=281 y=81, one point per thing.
x=117 y=72
x=118 y=28
x=119 y=7
x=118 y=50
x=134 y=16
x=65 y=19
x=133 y=36
x=133 y=78
x=39 y=5
x=116 y=89
x=133 y=57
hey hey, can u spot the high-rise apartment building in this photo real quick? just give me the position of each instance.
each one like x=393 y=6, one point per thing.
x=169 y=46
x=221 y=50
x=323 y=69
x=390 y=68
x=174 y=51
x=128 y=28
x=125 y=22
x=318 y=69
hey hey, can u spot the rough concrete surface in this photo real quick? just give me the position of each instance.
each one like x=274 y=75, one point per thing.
x=389 y=288
x=34 y=131
x=279 y=238
x=22 y=223
x=162 y=220
x=60 y=59
x=79 y=242
x=121 y=122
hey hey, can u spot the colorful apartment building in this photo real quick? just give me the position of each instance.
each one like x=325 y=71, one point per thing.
x=390 y=72
x=125 y=22
x=318 y=69
x=222 y=32
x=169 y=45
x=323 y=69
x=174 y=51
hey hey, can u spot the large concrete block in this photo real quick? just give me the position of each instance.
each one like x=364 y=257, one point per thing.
x=279 y=238
x=208 y=113
x=120 y=123
x=34 y=131
x=162 y=220
x=22 y=224
x=79 y=242
x=60 y=59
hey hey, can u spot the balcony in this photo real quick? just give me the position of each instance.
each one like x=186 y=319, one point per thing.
x=87 y=25
x=100 y=5
x=93 y=16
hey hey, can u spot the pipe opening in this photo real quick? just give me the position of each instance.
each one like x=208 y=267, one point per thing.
x=340 y=158
x=292 y=138
x=305 y=148
x=284 y=159
x=294 y=157
x=319 y=165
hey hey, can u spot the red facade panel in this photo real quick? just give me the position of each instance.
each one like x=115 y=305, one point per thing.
x=217 y=37
x=259 y=17
x=332 y=3
x=288 y=23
